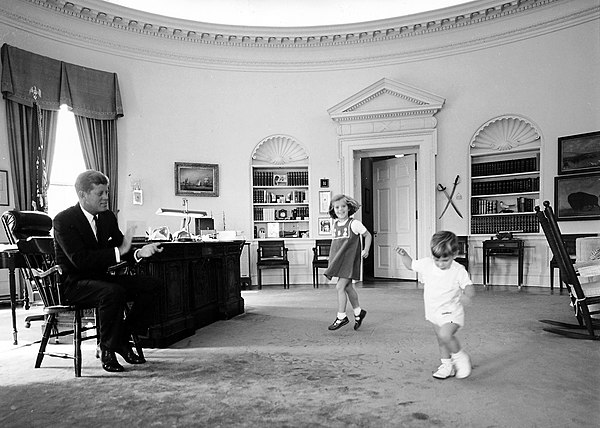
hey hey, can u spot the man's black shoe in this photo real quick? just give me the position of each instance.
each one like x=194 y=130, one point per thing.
x=110 y=363
x=129 y=356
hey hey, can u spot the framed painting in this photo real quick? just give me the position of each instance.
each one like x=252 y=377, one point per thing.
x=324 y=201
x=579 y=153
x=196 y=179
x=324 y=225
x=4 y=188
x=576 y=197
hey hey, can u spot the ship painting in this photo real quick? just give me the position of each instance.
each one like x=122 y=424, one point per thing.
x=196 y=180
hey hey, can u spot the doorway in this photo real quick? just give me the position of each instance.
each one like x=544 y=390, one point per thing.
x=389 y=212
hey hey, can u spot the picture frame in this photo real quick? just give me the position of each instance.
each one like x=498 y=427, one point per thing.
x=138 y=197
x=579 y=153
x=576 y=197
x=196 y=179
x=324 y=182
x=4 y=194
x=325 y=226
x=324 y=201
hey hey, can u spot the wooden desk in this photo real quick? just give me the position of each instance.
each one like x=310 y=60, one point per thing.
x=11 y=259
x=201 y=285
x=502 y=247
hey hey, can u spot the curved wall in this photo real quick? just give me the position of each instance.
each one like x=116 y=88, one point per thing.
x=212 y=98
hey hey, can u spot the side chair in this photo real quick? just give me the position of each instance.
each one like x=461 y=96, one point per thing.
x=320 y=258
x=273 y=255
x=582 y=296
x=463 y=251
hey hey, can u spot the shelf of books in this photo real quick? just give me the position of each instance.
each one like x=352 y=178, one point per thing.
x=505 y=188
x=280 y=202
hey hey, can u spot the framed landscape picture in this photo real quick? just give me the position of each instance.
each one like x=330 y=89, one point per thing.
x=576 y=197
x=196 y=179
x=579 y=153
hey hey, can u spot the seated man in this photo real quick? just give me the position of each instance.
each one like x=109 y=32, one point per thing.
x=88 y=241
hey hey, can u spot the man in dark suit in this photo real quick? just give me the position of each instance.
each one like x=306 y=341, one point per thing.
x=88 y=241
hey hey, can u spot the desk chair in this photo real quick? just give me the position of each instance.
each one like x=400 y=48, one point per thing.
x=41 y=270
x=463 y=251
x=273 y=255
x=21 y=225
x=582 y=295
x=569 y=241
x=320 y=258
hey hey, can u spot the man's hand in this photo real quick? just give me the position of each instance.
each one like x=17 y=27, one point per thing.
x=149 y=250
x=126 y=244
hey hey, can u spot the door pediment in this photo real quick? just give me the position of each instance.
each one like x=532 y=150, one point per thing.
x=384 y=99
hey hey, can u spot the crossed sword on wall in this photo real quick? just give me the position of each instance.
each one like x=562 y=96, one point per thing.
x=449 y=197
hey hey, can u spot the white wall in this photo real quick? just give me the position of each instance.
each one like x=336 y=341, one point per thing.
x=195 y=113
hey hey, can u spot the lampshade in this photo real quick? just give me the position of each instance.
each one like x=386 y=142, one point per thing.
x=181 y=213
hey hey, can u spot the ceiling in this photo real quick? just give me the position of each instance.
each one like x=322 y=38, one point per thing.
x=285 y=13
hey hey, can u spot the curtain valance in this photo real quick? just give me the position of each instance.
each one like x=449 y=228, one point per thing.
x=88 y=92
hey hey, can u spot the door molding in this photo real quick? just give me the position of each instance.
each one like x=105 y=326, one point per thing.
x=386 y=118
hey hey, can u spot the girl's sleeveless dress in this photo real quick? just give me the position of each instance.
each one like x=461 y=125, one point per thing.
x=344 y=255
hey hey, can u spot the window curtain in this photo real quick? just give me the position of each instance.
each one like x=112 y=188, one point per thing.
x=92 y=95
x=24 y=144
x=99 y=143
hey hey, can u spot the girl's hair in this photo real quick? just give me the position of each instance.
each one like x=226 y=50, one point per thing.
x=444 y=244
x=353 y=205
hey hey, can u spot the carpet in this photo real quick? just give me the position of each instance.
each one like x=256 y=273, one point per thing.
x=277 y=365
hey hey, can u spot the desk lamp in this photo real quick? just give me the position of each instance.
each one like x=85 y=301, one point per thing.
x=187 y=215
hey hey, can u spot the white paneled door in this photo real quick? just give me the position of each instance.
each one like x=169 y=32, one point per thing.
x=395 y=223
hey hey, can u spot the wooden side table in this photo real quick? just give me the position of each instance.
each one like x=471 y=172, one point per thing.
x=502 y=247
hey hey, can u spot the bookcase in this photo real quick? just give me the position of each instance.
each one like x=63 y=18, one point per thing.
x=280 y=202
x=505 y=179
x=280 y=189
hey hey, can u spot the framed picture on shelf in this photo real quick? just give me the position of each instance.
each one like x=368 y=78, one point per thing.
x=324 y=201
x=576 y=197
x=324 y=182
x=4 y=188
x=324 y=225
x=196 y=179
x=579 y=153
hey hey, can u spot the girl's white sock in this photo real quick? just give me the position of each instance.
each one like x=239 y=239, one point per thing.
x=341 y=315
x=357 y=311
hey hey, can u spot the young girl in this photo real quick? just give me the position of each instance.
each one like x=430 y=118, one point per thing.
x=446 y=287
x=345 y=257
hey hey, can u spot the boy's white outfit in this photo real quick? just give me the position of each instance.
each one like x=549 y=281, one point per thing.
x=442 y=290
x=441 y=295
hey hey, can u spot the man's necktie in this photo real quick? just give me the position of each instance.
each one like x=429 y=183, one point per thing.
x=95 y=226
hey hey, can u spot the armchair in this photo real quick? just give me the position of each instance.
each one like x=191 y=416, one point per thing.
x=21 y=225
x=41 y=270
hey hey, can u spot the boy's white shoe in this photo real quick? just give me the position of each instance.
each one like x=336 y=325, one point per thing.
x=462 y=363
x=445 y=371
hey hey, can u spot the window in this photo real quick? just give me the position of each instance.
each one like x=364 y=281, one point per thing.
x=67 y=163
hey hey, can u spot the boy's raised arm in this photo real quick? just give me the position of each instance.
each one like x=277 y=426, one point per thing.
x=406 y=259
